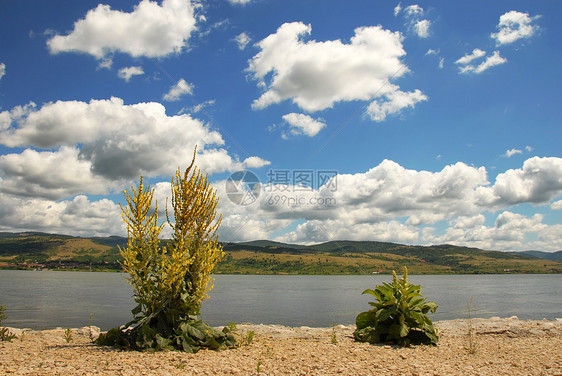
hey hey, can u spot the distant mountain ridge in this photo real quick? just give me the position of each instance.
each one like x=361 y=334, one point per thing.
x=552 y=256
x=270 y=257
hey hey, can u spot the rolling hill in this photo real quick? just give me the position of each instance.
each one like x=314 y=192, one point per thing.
x=51 y=251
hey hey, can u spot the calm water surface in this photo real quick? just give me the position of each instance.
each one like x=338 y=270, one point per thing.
x=42 y=300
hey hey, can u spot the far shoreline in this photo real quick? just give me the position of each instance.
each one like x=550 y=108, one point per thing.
x=101 y=270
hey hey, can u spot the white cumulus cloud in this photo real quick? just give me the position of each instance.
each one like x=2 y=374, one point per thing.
x=513 y=26
x=255 y=162
x=242 y=40
x=413 y=10
x=467 y=58
x=150 y=30
x=511 y=152
x=421 y=28
x=491 y=61
x=179 y=89
x=78 y=216
x=397 y=9
x=303 y=124
x=105 y=140
x=509 y=232
x=537 y=182
x=393 y=203
x=39 y=174
x=128 y=72
x=315 y=75
x=2 y=70
x=415 y=22
x=556 y=205
x=395 y=101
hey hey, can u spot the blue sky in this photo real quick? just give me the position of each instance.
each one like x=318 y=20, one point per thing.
x=411 y=122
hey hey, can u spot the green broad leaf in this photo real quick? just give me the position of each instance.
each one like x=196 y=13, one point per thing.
x=194 y=332
x=413 y=289
x=383 y=314
x=365 y=319
x=390 y=302
x=162 y=343
x=369 y=334
x=429 y=306
x=419 y=318
x=211 y=343
x=416 y=302
x=404 y=330
x=370 y=292
x=394 y=331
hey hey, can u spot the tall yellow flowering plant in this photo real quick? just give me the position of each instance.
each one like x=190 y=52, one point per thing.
x=194 y=241
x=170 y=282
x=144 y=258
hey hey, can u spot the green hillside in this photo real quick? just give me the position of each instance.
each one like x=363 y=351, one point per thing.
x=366 y=257
x=50 y=251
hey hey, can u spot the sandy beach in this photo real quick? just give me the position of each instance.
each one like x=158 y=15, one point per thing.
x=507 y=346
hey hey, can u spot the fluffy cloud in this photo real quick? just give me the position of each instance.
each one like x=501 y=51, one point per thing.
x=39 y=174
x=414 y=19
x=538 y=182
x=413 y=10
x=78 y=216
x=467 y=58
x=315 y=75
x=2 y=70
x=511 y=152
x=102 y=139
x=150 y=30
x=392 y=203
x=254 y=162
x=242 y=40
x=320 y=231
x=490 y=61
x=509 y=232
x=395 y=102
x=421 y=28
x=557 y=205
x=303 y=124
x=128 y=72
x=179 y=89
x=513 y=26
x=239 y=2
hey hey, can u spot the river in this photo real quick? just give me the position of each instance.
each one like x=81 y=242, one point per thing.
x=49 y=299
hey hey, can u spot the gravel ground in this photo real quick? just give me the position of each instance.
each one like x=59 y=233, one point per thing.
x=499 y=347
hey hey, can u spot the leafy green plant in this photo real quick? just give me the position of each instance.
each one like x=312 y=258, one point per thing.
x=398 y=316
x=249 y=337
x=232 y=329
x=5 y=334
x=334 y=335
x=68 y=335
x=170 y=282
